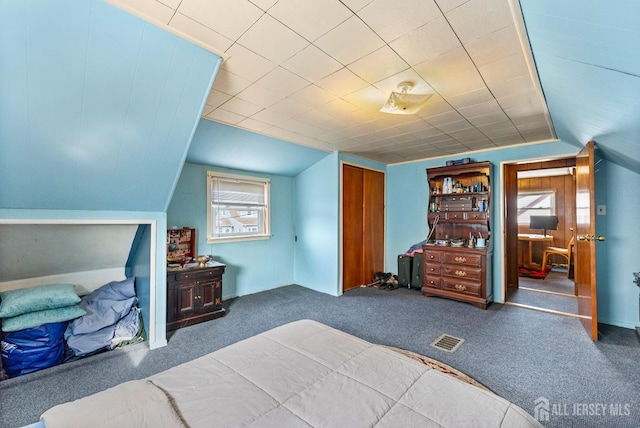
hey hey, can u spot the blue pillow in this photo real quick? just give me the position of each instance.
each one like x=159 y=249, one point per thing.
x=34 y=319
x=22 y=301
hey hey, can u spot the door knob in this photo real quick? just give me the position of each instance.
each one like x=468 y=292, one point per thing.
x=589 y=237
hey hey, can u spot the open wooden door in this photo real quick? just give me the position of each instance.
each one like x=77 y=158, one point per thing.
x=585 y=265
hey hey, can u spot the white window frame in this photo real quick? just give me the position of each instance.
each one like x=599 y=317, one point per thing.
x=212 y=176
x=552 y=207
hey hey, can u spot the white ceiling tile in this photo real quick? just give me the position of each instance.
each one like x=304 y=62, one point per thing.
x=494 y=46
x=289 y=107
x=259 y=95
x=310 y=18
x=447 y=5
x=426 y=42
x=246 y=63
x=521 y=100
x=513 y=86
x=264 y=4
x=369 y=99
x=208 y=108
x=451 y=73
x=316 y=117
x=342 y=82
x=488 y=118
x=504 y=69
x=361 y=41
x=475 y=110
x=270 y=116
x=216 y=98
x=378 y=65
x=300 y=127
x=241 y=107
x=476 y=18
x=282 y=81
x=313 y=95
x=254 y=125
x=312 y=64
x=173 y=4
x=200 y=32
x=231 y=18
x=392 y=19
x=458 y=126
x=356 y=5
x=272 y=40
x=444 y=118
x=337 y=107
x=159 y=11
x=229 y=83
x=470 y=98
x=225 y=116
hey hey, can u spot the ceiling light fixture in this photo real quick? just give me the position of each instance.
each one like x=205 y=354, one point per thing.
x=402 y=102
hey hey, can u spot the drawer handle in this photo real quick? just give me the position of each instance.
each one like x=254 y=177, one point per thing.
x=461 y=259
x=432 y=257
x=460 y=287
x=461 y=273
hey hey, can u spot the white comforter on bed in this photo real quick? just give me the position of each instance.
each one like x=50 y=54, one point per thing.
x=305 y=374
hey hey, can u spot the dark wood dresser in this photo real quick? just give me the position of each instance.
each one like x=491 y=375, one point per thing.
x=457 y=273
x=194 y=295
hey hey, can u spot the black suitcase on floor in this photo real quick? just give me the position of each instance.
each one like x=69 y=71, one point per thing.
x=416 y=271
x=404 y=270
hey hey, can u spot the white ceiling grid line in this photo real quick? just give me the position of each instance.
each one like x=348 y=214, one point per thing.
x=316 y=73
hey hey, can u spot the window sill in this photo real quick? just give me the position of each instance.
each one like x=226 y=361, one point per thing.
x=237 y=239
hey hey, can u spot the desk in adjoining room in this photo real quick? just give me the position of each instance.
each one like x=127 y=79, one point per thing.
x=525 y=252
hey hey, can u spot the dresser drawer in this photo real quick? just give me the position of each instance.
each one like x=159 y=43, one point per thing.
x=463 y=272
x=431 y=269
x=475 y=216
x=199 y=274
x=462 y=286
x=463 y=259
x=431 y=257
x=432 y=281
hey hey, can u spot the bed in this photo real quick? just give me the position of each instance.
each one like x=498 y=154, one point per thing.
x=297 y=375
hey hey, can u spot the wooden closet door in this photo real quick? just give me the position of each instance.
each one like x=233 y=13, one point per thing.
x=373 y=224
x=362 y=225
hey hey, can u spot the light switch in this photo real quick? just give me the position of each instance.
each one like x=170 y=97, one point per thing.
x=601 y=210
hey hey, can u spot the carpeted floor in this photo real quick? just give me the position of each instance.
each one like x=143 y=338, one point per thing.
x=532 y=292
x=520 y=354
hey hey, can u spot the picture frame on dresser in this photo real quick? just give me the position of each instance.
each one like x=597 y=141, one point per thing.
x=457 y=259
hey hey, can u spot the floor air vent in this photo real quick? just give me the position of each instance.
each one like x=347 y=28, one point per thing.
x=447 y=343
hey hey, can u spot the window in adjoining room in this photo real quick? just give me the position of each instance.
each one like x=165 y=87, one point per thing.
x=238 y=207
x=542 y=202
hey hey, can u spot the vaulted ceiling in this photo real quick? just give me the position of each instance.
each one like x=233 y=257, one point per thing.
x=316 y=73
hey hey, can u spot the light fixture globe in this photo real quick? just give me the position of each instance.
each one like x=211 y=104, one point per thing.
x=402 y=102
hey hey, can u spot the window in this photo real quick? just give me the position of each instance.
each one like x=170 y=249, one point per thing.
x=535 y=203
x=238 y=207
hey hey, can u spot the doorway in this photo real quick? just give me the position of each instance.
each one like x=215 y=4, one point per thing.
x=540 y=214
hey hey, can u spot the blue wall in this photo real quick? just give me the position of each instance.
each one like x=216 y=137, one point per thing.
x=138 y=266
x=97 y=107
x=619 y=256
x=252 y=266
x=317 y=225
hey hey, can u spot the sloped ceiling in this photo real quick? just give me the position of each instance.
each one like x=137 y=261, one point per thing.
x=316 y=73
x=35 y=250
x=97 y=107
x=588 y=59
